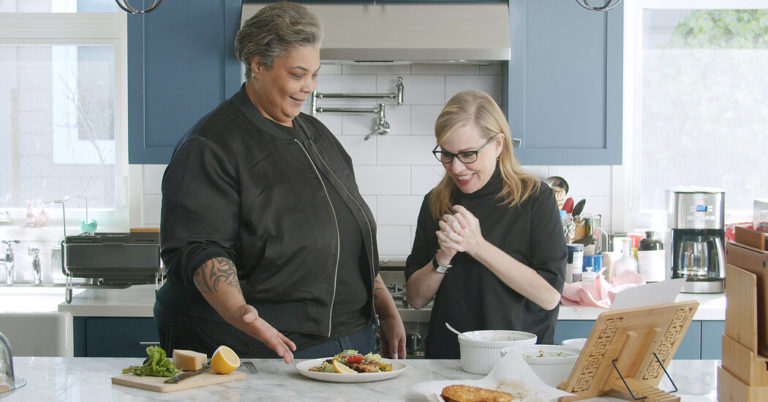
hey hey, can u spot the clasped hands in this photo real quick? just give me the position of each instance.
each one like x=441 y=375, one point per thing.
x=459 y=232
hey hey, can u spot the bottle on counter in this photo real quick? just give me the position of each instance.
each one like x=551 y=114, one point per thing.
x=627 y=261
x=600 y=235
x=574 y=263
x=651 y=258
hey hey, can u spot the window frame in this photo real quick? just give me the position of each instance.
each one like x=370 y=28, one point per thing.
x=35 y=28
x=626 y=214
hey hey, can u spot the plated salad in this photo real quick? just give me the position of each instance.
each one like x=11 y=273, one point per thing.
x=351 y=362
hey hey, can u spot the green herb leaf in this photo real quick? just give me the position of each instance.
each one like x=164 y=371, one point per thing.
x=155 y=365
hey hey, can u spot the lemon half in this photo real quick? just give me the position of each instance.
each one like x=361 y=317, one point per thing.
x=224 y=360
x=340 y=367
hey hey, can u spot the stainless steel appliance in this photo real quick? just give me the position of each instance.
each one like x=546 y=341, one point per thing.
x=416 y=321
x=697 y=223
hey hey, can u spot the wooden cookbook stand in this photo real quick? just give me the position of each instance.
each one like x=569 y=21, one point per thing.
x=628 y=350
x=743 y=374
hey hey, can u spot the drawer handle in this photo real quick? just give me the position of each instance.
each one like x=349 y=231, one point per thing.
x=149 y=343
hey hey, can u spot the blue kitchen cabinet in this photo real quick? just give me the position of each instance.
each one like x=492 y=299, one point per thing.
x=181 y=64
x=113 y=336
x=564 y=83
x=567 y=329
x=701 y=341
x=711 y=339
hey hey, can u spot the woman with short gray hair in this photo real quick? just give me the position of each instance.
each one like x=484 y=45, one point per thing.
x=269 y=245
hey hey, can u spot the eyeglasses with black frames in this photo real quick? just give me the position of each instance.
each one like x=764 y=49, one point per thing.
x=465 y=157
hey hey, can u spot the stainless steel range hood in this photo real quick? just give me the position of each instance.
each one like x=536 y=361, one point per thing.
x=425 y=33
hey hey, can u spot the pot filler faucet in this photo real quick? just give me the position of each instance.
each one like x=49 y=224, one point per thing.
x=9 y=261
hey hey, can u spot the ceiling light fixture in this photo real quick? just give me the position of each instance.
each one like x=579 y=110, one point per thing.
x=128 y=8
x=609 y=4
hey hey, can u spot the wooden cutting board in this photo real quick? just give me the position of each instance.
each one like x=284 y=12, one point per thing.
x=156 y=383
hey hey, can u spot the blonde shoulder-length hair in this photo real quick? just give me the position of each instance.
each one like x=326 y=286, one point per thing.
x=478 y=108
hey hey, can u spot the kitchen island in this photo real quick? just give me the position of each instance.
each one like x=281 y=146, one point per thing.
x=89 y=379
x=105 y=314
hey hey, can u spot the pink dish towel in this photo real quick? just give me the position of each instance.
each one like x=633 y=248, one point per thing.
x=600 y=293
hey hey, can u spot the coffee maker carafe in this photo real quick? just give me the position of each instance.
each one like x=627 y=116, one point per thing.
x=697 y=224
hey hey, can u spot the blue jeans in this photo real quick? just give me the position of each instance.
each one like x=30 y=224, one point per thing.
x=364 y=341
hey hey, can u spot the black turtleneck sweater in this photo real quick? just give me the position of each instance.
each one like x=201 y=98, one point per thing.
x=470 y=296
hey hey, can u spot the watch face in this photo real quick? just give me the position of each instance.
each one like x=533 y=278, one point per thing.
x=441 y=269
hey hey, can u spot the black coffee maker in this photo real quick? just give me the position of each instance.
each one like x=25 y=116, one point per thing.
x=697 y=224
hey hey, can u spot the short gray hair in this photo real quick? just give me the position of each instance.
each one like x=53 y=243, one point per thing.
x=273 y=31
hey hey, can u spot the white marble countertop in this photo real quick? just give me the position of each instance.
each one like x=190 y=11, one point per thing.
x=88 y=379
x=711 y=307
x=137 y=301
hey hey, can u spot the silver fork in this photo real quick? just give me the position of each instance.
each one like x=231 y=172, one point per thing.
x=250 y=367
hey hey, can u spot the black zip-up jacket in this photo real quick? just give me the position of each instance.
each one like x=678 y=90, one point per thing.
x=239 y=188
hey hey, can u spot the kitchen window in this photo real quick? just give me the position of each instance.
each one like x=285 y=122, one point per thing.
x=63 y=110
x=695 y=106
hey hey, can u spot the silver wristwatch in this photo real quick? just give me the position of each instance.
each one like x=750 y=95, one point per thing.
x=437 y=267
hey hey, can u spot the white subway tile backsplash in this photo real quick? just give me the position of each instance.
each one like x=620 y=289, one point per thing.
x=150 y=210
x=397 y=209
x=383 y=180
x=423 y=118
x=153 y=178
x=542 y=172
x=394 y=241
x=399 y=119
x=599 y=205
x=425 y=178
x=357 y=123
x=389 y=69
x=445 y=69
x=419 y=89
x=491 y=84
x=346 y=83
x=405 y=150
x=371 y=201
x=332 y=121
x=394 y=171
x=587 y=180
x=362 y=152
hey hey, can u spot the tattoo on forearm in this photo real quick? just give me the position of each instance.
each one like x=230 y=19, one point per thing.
x=216 y=273
x=378 y=286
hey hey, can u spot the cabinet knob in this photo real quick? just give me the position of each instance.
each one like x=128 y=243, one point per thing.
x=516 y=142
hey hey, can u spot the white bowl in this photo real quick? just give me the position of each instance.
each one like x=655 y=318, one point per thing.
x=552 y=363
x=574 y=343
x=480 y=350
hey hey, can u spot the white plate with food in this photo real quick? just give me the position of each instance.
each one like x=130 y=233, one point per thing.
x=384 y=368
x=511 y=376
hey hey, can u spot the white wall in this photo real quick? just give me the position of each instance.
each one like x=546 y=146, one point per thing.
x=396 y=170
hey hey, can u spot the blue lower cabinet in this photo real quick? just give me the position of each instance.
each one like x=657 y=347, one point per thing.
x=113 y=336
x=567 y=329
x=690 y=347
x=701 y=341
x=711 y=339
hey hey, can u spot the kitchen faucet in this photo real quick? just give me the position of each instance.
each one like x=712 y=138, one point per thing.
x=36 y=274
x=8 y=262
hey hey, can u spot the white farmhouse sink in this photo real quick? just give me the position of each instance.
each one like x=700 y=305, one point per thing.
x=29 y=318
x=38 y=334
x=29 y=299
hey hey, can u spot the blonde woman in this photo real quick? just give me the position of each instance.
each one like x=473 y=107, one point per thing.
x=489 y=245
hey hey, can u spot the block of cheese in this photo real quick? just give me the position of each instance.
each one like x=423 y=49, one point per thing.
x=188 y=359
